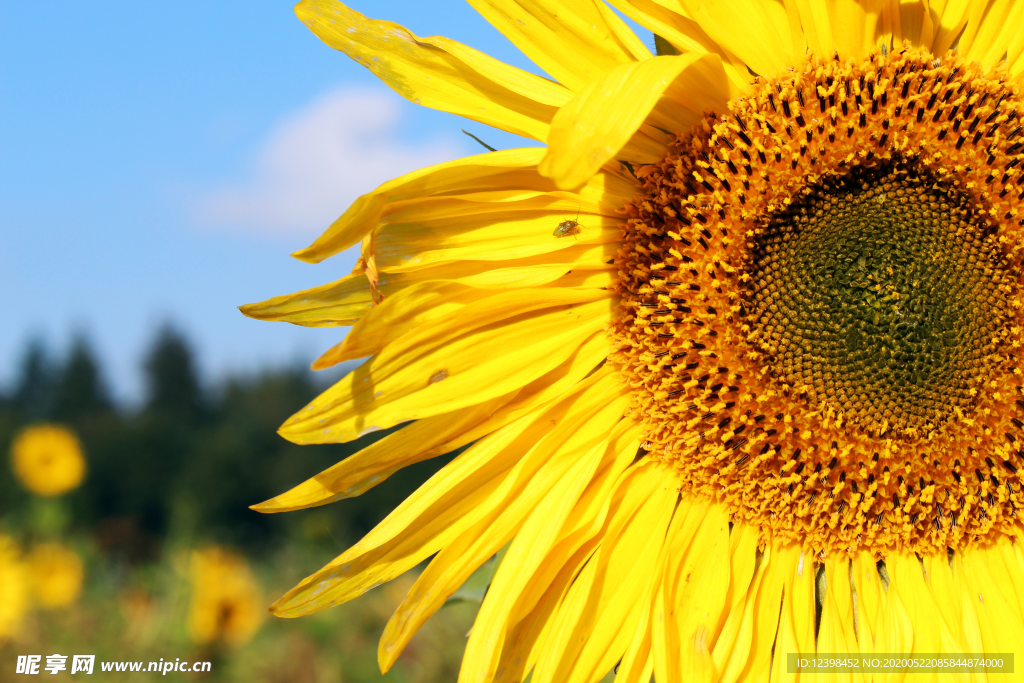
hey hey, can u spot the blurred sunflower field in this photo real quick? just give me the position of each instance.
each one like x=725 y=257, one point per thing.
x=126 y=533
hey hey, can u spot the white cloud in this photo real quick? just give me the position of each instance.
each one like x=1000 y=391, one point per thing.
x=316 y=162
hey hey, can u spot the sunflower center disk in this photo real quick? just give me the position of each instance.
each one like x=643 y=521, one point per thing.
x=820 y=314
x=878 y=293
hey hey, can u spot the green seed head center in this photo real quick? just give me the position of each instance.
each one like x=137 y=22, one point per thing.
x=877 y=293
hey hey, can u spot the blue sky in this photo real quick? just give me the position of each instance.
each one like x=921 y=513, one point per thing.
x=159 y=161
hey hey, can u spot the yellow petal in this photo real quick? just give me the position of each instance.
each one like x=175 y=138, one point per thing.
x=802 y=604
x=943 y=591
x=448 y=504
x=545 y=389
x=637 y=664
x=927 y=36
x=835 y=633
x=796 y=622
x=471 y=172
x=423 y=524
x=546 y=497
x=848 y=27
x=1014 y=52
x=641 y=496
x=768 y=614
x=781 y=569
x=350 y=299
x=522 y=641
x=667 y=638
x=359 y=472
x=425 y=72
x=699 y=88
x=894 y=631
x=536 y=271
x=907 y=577
x=950 y=17
x=492 y=235
x=559 y=633
x=525 y=83
x=342 y=302
x=1014 y=577
x=743 y=541
x=501 y=345
x=530 y=272
x=998 y=619
x=526 y=615
x=991 y=27
x=667 y=19
x=438 y=435
x=842 y=592
x=647 y=146
x=590 y=200
x=970 y=624
x=419 y=304
x=1002 y=578
x=816 y=24
x=757 y=31
x=623 y=33
x=909 y=18
x=572 y=40
x=598 y=634
x=488 y=232
x=598 y=122
x=701 y=595
x=928 y=599
x=869 y=601
x=736 y=644
x=664 y=638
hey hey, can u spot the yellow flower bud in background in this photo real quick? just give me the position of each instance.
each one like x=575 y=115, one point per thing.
x=13 y=588
x=226 y=602
x=47 y=459
x=55 y=575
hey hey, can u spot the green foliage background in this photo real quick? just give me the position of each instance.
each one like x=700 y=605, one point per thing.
x=192 y=457
x=177 y=472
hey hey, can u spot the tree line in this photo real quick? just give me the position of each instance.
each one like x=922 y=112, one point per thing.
x=190 y=458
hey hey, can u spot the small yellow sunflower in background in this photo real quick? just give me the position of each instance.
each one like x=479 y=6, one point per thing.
x=14 y=588
x=226 y=602
x=737 y=351
x=55 y=575
x=47 y=459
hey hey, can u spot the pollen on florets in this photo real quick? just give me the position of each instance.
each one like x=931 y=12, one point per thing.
x=821 y=308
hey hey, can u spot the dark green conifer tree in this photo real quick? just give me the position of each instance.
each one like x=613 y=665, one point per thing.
x=33 y=389
x=173 y=389
x=79 y=392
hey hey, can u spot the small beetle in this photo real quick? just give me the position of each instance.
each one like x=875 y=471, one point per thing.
x=566 y=228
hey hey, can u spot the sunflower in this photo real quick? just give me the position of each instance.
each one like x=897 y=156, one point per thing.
x=55 y=575
x=226 y=604
x=735 y=355
x=47 y=459
x=14 y=588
